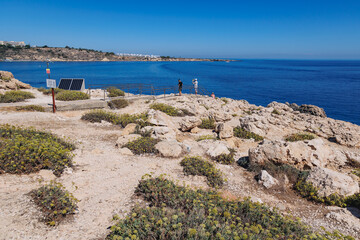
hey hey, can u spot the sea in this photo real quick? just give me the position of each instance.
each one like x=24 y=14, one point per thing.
x=333 y=85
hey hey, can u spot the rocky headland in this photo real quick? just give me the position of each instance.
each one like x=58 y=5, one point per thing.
x=268 y=153
x=63 y=54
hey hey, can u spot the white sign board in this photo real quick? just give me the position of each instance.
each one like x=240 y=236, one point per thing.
x=50 y=83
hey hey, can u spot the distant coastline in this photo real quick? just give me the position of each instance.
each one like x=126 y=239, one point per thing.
x=9 y=53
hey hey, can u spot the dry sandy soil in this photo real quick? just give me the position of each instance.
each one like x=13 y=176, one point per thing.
x=106 y=180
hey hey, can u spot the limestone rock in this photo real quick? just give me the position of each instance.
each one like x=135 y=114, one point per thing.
x=122 y=140
x=267 y=180
x=125 y=151
x=161 y=132
x=217 y=148
x=329 y=181
x=224 y=130
x=130 y=128
x=189 y=123
x=8 y=82
x=6 y=76
x=310 y=109
x=159 y=118
x=300 y=154
x=46 y=175
x=169 y=148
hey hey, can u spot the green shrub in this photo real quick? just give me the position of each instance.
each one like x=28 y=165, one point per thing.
x=275 y=111
x=182 y=213
x=143 y=133
x=15 y=96
x=116 y=119
x=226 y=158
x=356 y=172
x=68 y=95
x=55 y=202
x=299 y=137
x=118 y=103
x=115 y=92
x=200 y=167
x=242 y=133
x=29 y=150
x=207 y=123
x=142 y=145
x=31 y=108
x=49 y=92
x=169 y=110
x=205 y=137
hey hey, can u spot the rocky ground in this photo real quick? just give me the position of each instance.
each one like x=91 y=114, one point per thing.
x=105 y=175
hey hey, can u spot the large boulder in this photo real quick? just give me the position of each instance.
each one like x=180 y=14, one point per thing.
x=130 y=128
x=267 y=180
x=309 y=109
x=303 y=155
x=159 y=118
x=6 y=76
x=189 y=123
x=328 y=182
x=216 y=148
x=8 y=82
x=169 y=148
x=122 y=140
x=160 y=132
x=224 y=130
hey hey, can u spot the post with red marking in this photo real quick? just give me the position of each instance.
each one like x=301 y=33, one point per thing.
x=52 y=87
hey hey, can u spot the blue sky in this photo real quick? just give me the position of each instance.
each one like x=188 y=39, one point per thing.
x=230 y=29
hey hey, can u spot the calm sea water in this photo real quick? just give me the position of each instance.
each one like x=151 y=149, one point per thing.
x=332 y=85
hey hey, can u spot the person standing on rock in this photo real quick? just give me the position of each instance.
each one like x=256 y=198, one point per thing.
x=195 y=82
x=180 y=84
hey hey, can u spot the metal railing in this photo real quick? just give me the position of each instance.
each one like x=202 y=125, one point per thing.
x=147 y=89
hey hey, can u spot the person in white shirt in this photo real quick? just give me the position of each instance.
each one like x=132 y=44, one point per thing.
x=195 y=82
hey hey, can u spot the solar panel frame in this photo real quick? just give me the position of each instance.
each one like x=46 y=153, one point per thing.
x=65 y=83
x=74 y=84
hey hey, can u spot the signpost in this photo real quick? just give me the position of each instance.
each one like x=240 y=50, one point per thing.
x=51 y=83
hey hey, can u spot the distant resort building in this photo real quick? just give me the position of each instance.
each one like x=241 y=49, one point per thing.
x=137 y=55
x=13 y=43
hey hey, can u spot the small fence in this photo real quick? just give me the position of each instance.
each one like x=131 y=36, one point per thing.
x=148 y=89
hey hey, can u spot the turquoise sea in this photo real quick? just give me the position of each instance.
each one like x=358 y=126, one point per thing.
x=332 y=85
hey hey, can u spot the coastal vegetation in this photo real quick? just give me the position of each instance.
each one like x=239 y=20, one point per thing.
x=198 y=166
x=224 y=158
x=31 y=108
x=118 y=103
x=207 y=123
x=15 y=96
x=206 y=137
x=242 y=133
x=115 y=92
x=55 y=202
x=67 y=95
x=299 y=137
x=177 y=212
x=26 y=150
x=142 y=145
x=170 y=110
x=49 y=91
x=116 y=119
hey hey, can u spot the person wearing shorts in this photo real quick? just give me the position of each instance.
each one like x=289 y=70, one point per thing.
x=196 y=84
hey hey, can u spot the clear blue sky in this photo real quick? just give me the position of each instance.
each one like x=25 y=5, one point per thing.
x=303 y=29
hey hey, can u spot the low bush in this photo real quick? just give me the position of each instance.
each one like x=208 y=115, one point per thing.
x=275 y=111
x=226 y=158
x=242 y=133
x=68 y=95
x=200 y=167
x=55 y=202
x=116 y=119
x=356 y=172
x=206 y=137
x=115 y=92
x=178 y=212
x=142 y=145
x=31 y=108
x=207 y=123
x=169 y=110
x=49 y=92
x=118 y=103
x=28 y=150
x=143 y=132
x=299 y=137
x=15 y=96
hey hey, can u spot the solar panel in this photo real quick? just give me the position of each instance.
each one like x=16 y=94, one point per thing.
x=65 y=83
x=75 y=84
